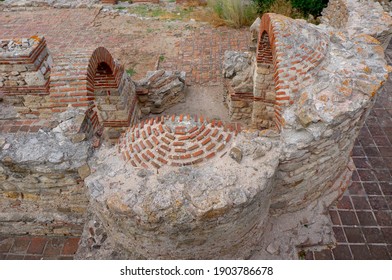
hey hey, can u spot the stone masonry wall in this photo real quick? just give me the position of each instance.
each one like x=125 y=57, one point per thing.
x=358 y=17
x=159 y=90
x=41 y=180
x=238 y=71
x=25 y=65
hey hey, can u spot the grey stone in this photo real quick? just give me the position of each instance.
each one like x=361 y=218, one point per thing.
x=236 y=154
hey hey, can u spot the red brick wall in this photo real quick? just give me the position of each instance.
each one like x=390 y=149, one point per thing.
x=109 y=1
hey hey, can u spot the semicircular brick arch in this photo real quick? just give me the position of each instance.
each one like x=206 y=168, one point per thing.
x=94 y=81
x=297 y=51
x=102 y=56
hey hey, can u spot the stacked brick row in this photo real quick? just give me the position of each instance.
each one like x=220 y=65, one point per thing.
x=175 y=141
x=296 y=53
x=25 y=66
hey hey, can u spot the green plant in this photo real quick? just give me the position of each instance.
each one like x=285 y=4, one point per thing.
x=131 y=72
x=313 y=7
x=263 y=5
x=235 y=13
x=161 y=58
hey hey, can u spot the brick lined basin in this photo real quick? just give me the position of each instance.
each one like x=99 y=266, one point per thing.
x=176 y=141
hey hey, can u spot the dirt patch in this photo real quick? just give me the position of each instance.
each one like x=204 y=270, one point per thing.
x=202 y=101
x=151 y=40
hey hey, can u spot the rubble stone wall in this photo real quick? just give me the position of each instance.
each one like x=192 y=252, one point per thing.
x=25 y=67
x=359 y=16
x=41 y=180
x=160 y=90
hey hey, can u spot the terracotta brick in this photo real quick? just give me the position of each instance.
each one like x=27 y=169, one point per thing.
x=206 y=141
x=162 y=160
x=150 y=154
x=167 y=129
x=20 y=245
x=156 y=165
x=146 y=158
x=155 y=140
x=183 y=138
x=211 y=146
x=166 y=148
x=198 y=153
x=149 y=144
x=221 y=147
x=137 y=158
x=170 y=136
x=6 y=244
x=176 y=144
x=187 y=156
x=193 y=147
x=71 y=246
x=159 y=151
x=200 y=160
x=180 y=150
x=141 y=144
x=166 y=141
x=193 y=129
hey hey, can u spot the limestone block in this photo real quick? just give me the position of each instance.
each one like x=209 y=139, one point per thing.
x=35 y=79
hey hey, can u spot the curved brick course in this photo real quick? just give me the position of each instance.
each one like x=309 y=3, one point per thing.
x=175 y=141
x=292 y=69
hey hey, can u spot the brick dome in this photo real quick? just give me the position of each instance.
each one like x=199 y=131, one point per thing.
x=175 y=141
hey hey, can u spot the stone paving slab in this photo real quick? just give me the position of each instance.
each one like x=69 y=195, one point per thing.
x=37 y=247
x=362 y=218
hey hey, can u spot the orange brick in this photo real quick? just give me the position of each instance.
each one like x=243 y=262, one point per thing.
x=171 y=137
x=178 y=144
x=162 y=160
x=151 y=155
x=211 y=146
x=206 y=141
x=198 y=153
x=165 y=140
x=211 y=155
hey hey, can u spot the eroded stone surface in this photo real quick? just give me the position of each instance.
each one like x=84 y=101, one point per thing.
x=264 y=193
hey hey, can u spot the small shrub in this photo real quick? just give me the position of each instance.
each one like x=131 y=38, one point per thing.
x=235 y=13
x=284 y=7
x=263 y=5
x=313 y=7
x=131 y=72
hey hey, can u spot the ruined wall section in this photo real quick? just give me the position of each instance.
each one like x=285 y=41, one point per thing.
x=109 y=102
x=325 y=119
x=238 y=71
x=25 y=66
x=41 y=180
x=357 y=17
x=159 y=90
x=204 y=210
x=263 y=115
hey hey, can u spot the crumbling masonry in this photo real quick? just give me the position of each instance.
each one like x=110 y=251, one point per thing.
x=189 y=186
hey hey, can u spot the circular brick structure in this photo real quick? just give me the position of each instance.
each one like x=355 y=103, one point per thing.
x=175 y=141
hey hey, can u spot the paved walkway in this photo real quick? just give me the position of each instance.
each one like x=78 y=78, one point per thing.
x=362 y=218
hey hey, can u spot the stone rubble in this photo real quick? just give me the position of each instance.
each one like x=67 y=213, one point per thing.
x=160 y=90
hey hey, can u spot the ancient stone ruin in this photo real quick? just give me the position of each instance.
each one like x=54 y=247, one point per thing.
x=76 y=159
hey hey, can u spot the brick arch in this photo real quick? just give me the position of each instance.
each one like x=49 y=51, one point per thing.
x=266 y=110
x=101 y=59
x=77 y=75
